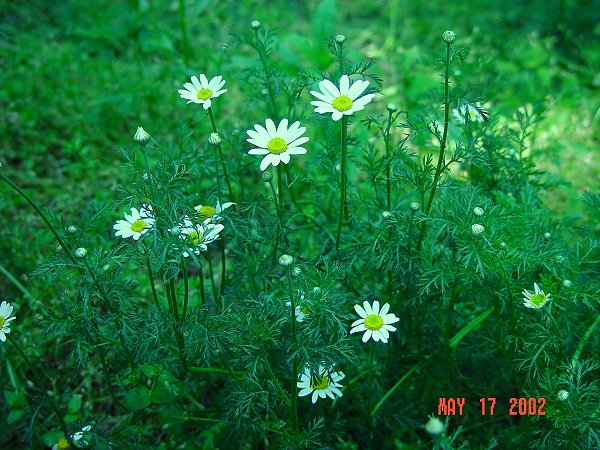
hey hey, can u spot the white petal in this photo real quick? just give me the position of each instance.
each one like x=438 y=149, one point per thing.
x=337 y=115
x=282 y=128
x=376 y=307
x=196 y=83
x=390 y=318
x=315 y=396
x=367 y=335
x=360 y=311
x=344 y=85
x=258 y=151
x=207 y=104
x=267 y=160
x=271 y=128
x=203 y=81
x=296 y=151
x=325 y=98
x=357 y=88
x=384 y=309
x=361 y=102
x=305 y=391
x=285 y=157
x=368 y=308
x=328 y=86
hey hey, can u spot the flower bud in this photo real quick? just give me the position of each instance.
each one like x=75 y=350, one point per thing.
x=415 y=206
x=391 y=107
x=255 y=24
x=72 y=229
x=547 y=235
x=340 y=39
x=477 y=229
x=316 y=290
x=267 y=176
x=478 y=211
x=562 y=395
x=140 y=136
x=448 y=37
x=386 y=214
x=81 y=252
x=214 y=139
x=434 y=426
x=296 y=271
x=567 y=283
x=285 y=260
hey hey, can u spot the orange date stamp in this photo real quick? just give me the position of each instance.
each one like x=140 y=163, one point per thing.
x=518 y=406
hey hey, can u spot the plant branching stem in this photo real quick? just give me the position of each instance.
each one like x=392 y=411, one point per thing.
x=294 y=381
x=440 y=163
x=343 y=205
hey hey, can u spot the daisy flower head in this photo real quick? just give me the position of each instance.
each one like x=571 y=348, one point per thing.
x=6 y=310
x=209 y=212
x=135 y=224
x=277 y=143
x=79 y=439
x=343 y=101
x=197 y=236
x=535 y=300
x=202 y=91
x=322 y=384
x=375 y=322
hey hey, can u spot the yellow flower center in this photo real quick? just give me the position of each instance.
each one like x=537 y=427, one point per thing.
x=304 y=309
x=138 y=226
x=204 y=94
x=205 y=212
x=319 y=382
x=63 y=444
x=342 y=103
x=277 y=146
x=2 y=321
x=537 y=299
x=195 y=237
x=373 y=322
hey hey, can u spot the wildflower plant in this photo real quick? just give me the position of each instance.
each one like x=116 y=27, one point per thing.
x=378 y=258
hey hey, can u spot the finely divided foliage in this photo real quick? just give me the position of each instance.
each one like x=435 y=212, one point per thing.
x=230 y=300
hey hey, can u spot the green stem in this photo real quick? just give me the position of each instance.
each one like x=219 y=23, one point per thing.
x=394 y=387
x=17 y=283
x=28 y=199
x=223 y=268
x=370 y=392
x=151 y=277
x=211 y=275
x=268 y=78
x=221 y=160
x=42 y=388
x=294 y=383
x=284 y=396
x=277 y=208
x=201 y=278
x=388 y=181
x=441 y=160
x=343 y=205
x=216 y=371
x=147 y=165
x=585 y=338
x=171 y=287
x=186 y=287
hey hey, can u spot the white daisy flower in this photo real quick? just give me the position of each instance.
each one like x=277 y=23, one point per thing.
x=301 y=309
x=78 y=439
x=322 y=384
x=212 y=213
x=198 y=235
x=343 y=101
x=277 y=143
x=374 y=322
x=535 y=300
x=6 y=310
x=135 y=224
x=202 y=91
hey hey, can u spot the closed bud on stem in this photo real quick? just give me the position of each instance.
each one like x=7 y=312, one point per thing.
x=477 y=229
x=81 y=252
x=255 y=24
x=340 y=39
x=415 y=206
x=267 y=176
x=391 y=107
x=140 y=136
x=286 y=260
x=448 y=37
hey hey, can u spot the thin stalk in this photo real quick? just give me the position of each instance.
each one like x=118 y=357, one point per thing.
x=151 y=277
x=186 y=287
x=268 y=77
x=388 y=182
x=169 y=300
x=394 y=387
x=171 y=287
x=16 y=282
x=28 y=199
x=371 y=353
x=223 y=268
x=284 y=396
x=42 y=387
x=216 y=371
x=277 y=238
x=440 y=163
x=201 y=278
x=585 y=338
x=147 y=166
x=294 y=385
x=343 y=206
x=211 y=275
x=221 y=160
